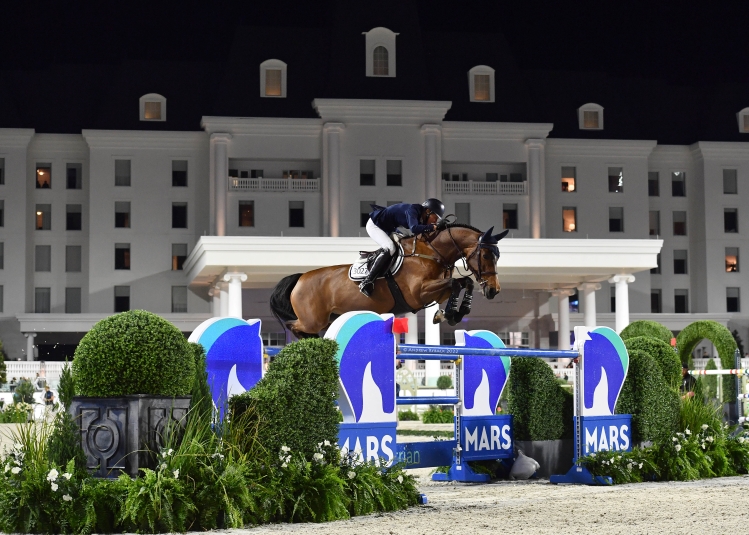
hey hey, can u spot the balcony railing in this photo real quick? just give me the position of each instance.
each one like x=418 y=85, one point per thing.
x=274 y=184
x=471 y=187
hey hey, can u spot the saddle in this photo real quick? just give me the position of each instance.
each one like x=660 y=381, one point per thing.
x=360 y=269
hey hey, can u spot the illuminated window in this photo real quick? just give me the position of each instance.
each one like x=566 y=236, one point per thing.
x=569 y=179
x=152 y=107
x=43 y=217
x=380 y=65
x=569 y=219
x=246 y=213
x=273 y=79
x=153 y=111
x=43 y=175
x=273 y=83
x=590 y=117
x=616 y=180
x=481 y=87
x=179 y=254
x=743 y=119
x=481 y=84
x=732 y=259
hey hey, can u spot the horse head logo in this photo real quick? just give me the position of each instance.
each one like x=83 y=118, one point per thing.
x=605 y=364
x=366 y=360
x=483 y=377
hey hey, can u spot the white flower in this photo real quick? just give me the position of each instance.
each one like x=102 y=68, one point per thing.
x=678 y=447
x=629 y=466
x=640 y=465
x=7 y=468
x=326 y=442
x=741 y=440
x=400 y=479
x=15 y=470
x=675 y=439
x=709 y=439
x=593 y=455
x=703 y=445
x=162 y=466
x=176 y=474
x=705 y=426
x=285 y=449
x=170 y=451
x=688 y=432
x=351 y=474
x=284 y=465
x=66 y=497
x=67 y=476
x=52 y=476
x=318 y=457
x=54 y=486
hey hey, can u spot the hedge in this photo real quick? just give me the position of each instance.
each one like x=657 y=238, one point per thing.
x=724 y=342
x=654 y=406
x=201 y=404
x=293 y=405
x=649 y=328
x=536 y=400
x=710 y=382
x=664 y=355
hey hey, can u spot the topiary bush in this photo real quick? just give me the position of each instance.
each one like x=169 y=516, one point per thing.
x=710 y=382
x=444 y=382
x=724 y=342
x=664 y=355
x=536 y=400
x=654 y=405
x=293 y=405
x=134 y=352
x=649 y=328
x=66 y=389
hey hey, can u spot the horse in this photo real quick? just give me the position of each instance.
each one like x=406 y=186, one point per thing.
x=307 y=303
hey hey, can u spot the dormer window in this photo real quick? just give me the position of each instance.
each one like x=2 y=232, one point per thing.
x=481 y=84
x=273 y=79
x=152 y=107
x=743 y=118
x=590 y=117
x=380 y=51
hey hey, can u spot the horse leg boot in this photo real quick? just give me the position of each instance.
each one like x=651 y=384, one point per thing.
x=451 y=307
x=379 y=266
x=465 y=305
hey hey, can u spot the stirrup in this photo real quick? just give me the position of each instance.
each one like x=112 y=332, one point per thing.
x=366 y=287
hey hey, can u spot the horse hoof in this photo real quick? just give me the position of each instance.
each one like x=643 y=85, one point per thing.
x=439 y=317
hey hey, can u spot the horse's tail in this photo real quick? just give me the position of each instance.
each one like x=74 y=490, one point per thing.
x=280 y=299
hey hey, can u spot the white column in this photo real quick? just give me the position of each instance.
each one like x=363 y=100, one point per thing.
x=563 y=311
x=220 y=172
x=223 y=299
x=622 y=299
x=412 y=336
x=535 y=183
x=432 y=338
x=215 y=294
x=332 y=132
x=30 y=345
x=432 y=160
x=235 y=280
x=589 y=302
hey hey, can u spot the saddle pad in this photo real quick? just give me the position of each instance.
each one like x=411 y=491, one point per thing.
x=358 y=270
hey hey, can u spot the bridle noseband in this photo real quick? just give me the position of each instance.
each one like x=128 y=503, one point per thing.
x=479 y=274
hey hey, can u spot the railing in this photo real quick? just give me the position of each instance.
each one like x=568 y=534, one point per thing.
x=274 y=184
x=485 y=188
x=29 y=369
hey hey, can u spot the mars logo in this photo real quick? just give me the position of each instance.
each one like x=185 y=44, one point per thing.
x=234 y=356
x=606 y=362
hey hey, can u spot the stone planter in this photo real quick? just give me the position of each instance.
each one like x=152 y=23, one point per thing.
x=120 y=435
x=554 y=456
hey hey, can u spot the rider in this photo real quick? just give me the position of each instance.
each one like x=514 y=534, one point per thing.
x=418 y=218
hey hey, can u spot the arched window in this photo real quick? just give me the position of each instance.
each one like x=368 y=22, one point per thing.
x=590 y=116
x=481 y=84
x=273 y=79
x=152 y=107
x=380 y=61
x=380 y=52
x=743 y=118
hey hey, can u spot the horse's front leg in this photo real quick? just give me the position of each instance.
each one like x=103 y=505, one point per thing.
x=465 y=305
x=438 y=291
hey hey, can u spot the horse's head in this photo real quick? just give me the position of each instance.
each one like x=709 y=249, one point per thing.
x=482 y=261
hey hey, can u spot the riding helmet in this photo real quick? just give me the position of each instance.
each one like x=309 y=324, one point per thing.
x=435 y=206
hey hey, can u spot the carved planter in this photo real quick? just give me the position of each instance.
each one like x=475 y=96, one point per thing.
x=121 y=435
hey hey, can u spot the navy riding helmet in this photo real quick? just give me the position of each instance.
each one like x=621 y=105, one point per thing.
x=435 y=206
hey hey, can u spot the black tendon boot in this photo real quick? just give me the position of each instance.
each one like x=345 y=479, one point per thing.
x=379 y=266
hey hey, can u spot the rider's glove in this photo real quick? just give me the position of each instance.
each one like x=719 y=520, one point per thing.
x=442 y=224
x=421 y=229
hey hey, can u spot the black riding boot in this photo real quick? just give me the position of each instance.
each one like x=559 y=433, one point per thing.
x=379 y=266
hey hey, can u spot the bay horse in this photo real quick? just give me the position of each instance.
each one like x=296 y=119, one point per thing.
x=307 y=303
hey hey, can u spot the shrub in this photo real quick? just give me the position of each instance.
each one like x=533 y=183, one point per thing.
x=66 y=389
x=654 y=406
x=293 y=405
x=651 y=329
x=710 y=382
x=437 y=415
x=444 y=382
x=64 y=442
x=24 y=392
x=201 y=403
x=664 y=356
x=724 y=342
x=536 y=400
x=405 y=416
x=134 y=352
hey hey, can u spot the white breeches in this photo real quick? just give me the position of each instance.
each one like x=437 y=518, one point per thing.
x=380 y=236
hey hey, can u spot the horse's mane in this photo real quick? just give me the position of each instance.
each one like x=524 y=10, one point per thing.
x=464 y=225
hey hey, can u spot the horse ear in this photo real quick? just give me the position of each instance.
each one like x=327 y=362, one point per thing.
x=486 y=236
x=501 y=235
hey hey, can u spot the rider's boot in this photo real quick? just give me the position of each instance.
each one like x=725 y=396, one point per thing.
x=379 y=266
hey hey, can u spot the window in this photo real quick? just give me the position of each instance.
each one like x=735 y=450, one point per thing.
x=121 y=256
x=569 y=219
x=179 y=215
x=681 y=301
x=514 y=177
x=510 y=216
x=655 y=223
x=515 y=339
x=273 y=79
x=569 y=179
x=179 y=254
x=733 y=303
x=463 y=212
x=732 y=259
x=680 y=262
x=122 y=172
x=680 y=223
x=678 y=187
x=258 y=173
x=616 y=219
x=42 y=258
x=152 y=107
x=380 y=52
x=616 y=180
x=590 y=117
x=743 y=119
x=179 y=173
x=296 y=213
x=246 y=213
x=121 y=298
x=364 y=211
x=179 y=299
x=72 y=300
x=491 y=177
x=42 y=297
x=654 y=187
x=2 y=171
x=2 y=213
x=366 y=172
x=73 y=258
x=43 y=217
x=481 y=84
x=43 y=175
x=273 y=339
x=380 y=61
x=729 y=182
x=656 y=302
x=74 y=172
x=73 y=217
x=730 y=220
x=2 y=255
x=657 y=269
x=394 y=175
x=122 y=214
x=612 y=297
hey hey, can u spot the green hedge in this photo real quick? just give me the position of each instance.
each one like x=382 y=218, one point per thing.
x=664 y=355
x=201 y=402
x=724 y=342
x=710 y=382
x=294 y=404
x=444 y=382
x=652 y=329
x=536 y=400
x=654 y=406
x=134 y=352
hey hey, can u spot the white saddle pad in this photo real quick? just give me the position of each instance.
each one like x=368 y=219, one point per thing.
x=358 y=270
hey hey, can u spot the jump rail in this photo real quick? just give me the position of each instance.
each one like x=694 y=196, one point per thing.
x=424 y=352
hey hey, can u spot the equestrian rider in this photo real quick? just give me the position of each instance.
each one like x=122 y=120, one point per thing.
x=418 y=218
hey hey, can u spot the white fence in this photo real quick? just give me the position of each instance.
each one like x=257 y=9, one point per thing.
x=274 y=184
x=471 y=187
x=50 y=371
